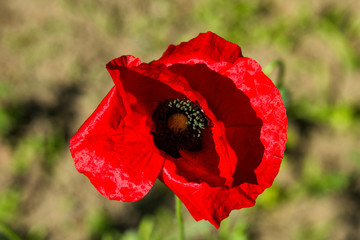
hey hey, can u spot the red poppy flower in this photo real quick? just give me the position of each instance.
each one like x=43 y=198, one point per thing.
x=203 y=119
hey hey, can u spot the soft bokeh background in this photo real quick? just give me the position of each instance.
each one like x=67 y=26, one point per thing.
x=52 y=76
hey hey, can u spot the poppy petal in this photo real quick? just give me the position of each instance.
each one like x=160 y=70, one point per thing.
x=266 y=101
x=259 y=146
x=203 y=166
x=110 y=153
x=139 y=85
x=243 y=145
x=151 y=83
x=232 y=107
x=207 y=47
x=214 y=204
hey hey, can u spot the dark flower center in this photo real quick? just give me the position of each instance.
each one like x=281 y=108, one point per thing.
x=178 y=124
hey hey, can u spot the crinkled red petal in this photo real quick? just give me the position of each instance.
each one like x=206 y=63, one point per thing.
x=242 y=150
x=151 y=83
x=207 y=46
x=251 y=108
x=140 y=88
x=214 y=204
x=232 y=107
x=203 y=166
x=266 y=101
x=112 y=149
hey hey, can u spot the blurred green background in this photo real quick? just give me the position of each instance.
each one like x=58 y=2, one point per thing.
x=52 y=70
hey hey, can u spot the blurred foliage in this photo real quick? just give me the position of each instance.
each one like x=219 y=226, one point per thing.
x=53 y=76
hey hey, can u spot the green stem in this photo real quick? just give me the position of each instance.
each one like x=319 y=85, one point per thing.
x=179 y=218
x=7 y=232
x=270 y=68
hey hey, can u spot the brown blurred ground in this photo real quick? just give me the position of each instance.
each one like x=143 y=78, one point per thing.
x=53 y=75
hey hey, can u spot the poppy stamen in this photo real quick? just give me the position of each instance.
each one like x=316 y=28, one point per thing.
x=178 y=124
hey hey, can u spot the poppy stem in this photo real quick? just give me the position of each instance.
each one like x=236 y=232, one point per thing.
x=7 y=232
x=270 y=68
x=279 y=82
x=179 y=218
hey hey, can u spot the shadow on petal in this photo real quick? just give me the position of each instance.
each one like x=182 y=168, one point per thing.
x=233 y=108
x=201 y=166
